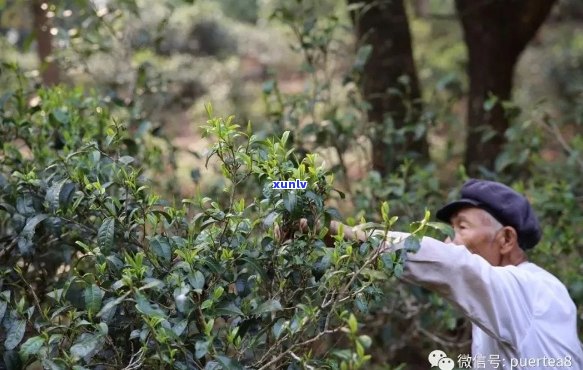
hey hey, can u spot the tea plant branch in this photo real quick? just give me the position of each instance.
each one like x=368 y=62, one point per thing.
x=106 y=365
x=6 y=250
x=311 y=61
x=137 y=360
x=553 y=129
x=198 y=317
x=297 y=358
x=281 y=340
x=274 y=347
x=443 y=342
x=376 y=253
x=355 y=293
x=326 y=302
x=115 y=349
x=342 y=161
x=77 y=223
x=353 y=235
x=298 y=345
x=34 y=296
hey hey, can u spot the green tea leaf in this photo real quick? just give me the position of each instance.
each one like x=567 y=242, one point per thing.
x=145 y=307
x=201 y=348
x=385 y=211
x=333 y=212
x=126 y=159
x=52 y=196
x=278 y=328
x=362 y=56
x=290 y=201
x=179 y=328
x=31 y=346
x=93 y=296
x=15 y=334
x=443 y=228
x=105 y=234
x=66 y=194
x=111 y=304
x=87 y=345
x=61 y=115
x=284 y=137
x=387 y=259
x=270 y=219
x=206 y=304
x=228 y=363
x=412 y=244
x=152 y=283
x=267 y=306
x=218 y=292
x=25 y=205
x=352 y=323
x=59 y=195
x=373 y=275
x=490 y=102
x=229 y=310
x=361 y=303
x=27 y=234
x=181 y=299
x=166 y=216
x=52 y=365
x=103 y=328
x=196 y=279
x=161 y=248
x=365 y=340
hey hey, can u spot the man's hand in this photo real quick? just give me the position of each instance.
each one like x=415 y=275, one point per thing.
x=350 y=233
x=282 y=235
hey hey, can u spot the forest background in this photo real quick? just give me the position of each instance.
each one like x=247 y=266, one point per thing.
x=139 y=142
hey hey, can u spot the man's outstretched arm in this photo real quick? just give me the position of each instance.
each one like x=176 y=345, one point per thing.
x=492 y=298
x=350 y=233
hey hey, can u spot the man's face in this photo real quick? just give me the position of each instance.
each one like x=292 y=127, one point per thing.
x=475 y=229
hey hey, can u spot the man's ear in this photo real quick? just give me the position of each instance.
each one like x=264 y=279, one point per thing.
x=508 y=239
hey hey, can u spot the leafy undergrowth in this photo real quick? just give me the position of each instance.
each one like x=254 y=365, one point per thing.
x=99 y=272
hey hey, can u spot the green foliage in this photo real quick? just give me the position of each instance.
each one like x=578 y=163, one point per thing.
x=545 y=163
x=97 y=268
x=246 y=10
x=100 y=264
x=552 y=185
x=327 y=114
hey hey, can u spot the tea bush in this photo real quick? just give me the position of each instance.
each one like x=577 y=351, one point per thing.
x=98 y=271
x=330 y=116
x=102 y=268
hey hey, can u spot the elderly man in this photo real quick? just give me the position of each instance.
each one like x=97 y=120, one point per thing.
x=521 y=314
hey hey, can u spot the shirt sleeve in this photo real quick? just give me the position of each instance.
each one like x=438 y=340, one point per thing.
x=497 y=299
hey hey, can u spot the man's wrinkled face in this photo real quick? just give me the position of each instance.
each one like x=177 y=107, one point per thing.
x=477 y=230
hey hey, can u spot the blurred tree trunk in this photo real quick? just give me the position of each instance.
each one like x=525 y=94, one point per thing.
x=48 y=68
x=421 y=8
x=495 y=32
x=383 y=24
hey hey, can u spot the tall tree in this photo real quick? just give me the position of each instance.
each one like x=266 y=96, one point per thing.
x=383 y=24
x=495 y=32
x=41 y=26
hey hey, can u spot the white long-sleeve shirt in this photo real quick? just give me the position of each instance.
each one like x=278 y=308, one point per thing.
x=521 y=314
